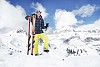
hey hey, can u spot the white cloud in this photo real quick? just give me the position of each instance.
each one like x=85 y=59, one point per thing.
x=38 y=6
x=85 y=11
x=95 y=25
x=11 y=17
x=79 y=22
x=64 y=18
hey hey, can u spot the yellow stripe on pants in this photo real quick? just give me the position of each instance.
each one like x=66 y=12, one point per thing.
x=43 y=37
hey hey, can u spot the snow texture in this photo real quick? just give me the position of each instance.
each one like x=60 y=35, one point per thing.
x=67 y=49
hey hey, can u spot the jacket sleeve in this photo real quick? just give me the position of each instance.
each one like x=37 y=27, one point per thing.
x=42 y=24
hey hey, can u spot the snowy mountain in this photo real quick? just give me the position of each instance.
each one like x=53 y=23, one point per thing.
x=68 y=48
x=77 y=42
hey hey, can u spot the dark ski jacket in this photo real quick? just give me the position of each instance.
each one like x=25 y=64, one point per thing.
x=39 y=25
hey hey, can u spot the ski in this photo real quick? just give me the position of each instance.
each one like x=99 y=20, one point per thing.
x=33 y=32
x=32 y=44
x=31 y=19
x=29 y=36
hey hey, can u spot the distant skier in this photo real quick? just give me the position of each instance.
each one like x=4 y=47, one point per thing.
x=39 y=26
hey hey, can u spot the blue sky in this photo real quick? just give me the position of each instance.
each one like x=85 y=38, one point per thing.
x=68 y=5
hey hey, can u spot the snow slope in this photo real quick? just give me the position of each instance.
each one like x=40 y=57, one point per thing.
x=67 y=49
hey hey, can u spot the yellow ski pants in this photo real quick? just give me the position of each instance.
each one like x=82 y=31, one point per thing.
x=44 y=38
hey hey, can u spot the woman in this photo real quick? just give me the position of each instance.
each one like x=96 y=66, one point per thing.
x=39 y=25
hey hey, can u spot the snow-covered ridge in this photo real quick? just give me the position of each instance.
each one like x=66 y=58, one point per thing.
x=78 y=42
x=68 y=40
x=12 y=42
x=76 y=30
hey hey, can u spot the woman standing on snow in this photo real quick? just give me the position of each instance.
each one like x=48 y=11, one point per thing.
x=39 y=25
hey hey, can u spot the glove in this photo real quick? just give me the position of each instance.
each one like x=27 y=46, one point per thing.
x=27 y=17
x=47 y=25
